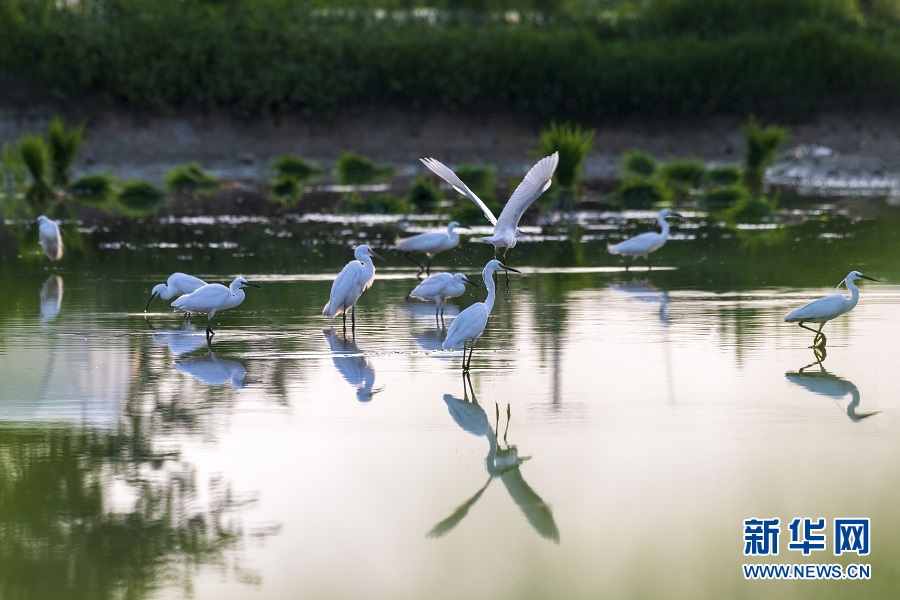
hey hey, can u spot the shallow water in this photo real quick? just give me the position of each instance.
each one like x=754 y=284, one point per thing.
x=616 y=431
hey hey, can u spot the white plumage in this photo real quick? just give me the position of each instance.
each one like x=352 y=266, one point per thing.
x=177 y=284
x=355 y=278
x=51 y=240
x=470 y=324
x=825 y=309
x=439 y=287
x=536 y=182
x=430 y=244
x=642 y=245
x=213 y=297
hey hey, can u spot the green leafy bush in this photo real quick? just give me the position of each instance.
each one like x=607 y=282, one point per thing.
x=638 y=162
x=94 y=190
x=139 y=198
x=762 y=145
x=641 y=192
x=376 y=204
x=36 y=159
x=481 y=179
x=190 y=178
x=467 y=212
x=291 y=165
x=573 y=143
x=748 y=210
x=286 y=189
x=64 y=143
x=725 y=174
x=355 y=169
x=688 y=173
x=424 y=194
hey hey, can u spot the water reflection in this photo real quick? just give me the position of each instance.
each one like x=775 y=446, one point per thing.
x=180 y=340
x=51 y=298
x=502 y=461
x=643 y=291
x=829 y=385
x=213 y=371
x=352 y=364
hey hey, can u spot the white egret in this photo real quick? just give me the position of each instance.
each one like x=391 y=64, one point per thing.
x=825 y=309
x=355 y=278
x=430 y=243
x=213 y=297
x=506 y=227
x=51 y=240
x=441 y=286
x=178 y=284
x=642 y=245
x=470 y=323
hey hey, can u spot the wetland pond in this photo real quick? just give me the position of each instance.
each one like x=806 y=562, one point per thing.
x=617 y=430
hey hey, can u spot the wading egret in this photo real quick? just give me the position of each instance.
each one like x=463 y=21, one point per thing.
x=51 y=240
x=430 y=244
x=178 y=284
x=506 y=227
x=213 y=297
x=470 y=323
x=825 y=309
x=642 y=245
x=355 y=278
x=439 y=287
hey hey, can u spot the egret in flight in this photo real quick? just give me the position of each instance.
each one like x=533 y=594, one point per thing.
x=51 y=240
x=178 y=284
x=355 y=278
x=211 y=298
x=439 y=287
x=430 y=243
x=506 y=227
x=825 y=309
x=642 y=245
x=470 y=324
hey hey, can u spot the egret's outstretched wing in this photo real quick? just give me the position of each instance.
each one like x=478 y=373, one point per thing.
x=532 y=506
x=445 y=526
x=445 y=173
x=824 y=308
x=536 y=182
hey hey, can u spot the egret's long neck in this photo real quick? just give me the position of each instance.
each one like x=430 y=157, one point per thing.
x=491 y=289
x=665 y=226
x=368 y=264
x=854 y=293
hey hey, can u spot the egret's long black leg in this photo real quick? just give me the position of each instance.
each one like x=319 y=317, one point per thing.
x=353 y=319
x=649 y=266
x=344 y=320
x=628 y=264
x=820 y=339
x=427 y=266
x=464 y=368
x=421 y=266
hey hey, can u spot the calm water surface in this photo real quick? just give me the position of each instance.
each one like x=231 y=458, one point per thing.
x=616 y=430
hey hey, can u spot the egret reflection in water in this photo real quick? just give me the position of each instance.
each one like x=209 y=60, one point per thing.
x=179 y=340
x=352 y=364
x=502 y=461
x=213 y=371
x=51 y=298
x=643 y=291
x=829 y=385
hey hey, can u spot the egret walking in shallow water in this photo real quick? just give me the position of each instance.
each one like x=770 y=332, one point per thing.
x=642 y=245
x=178 y=284
x=51 y=240
x=506 y=227
x=825 y=309
x=355 y=278
x=470 y=324
x=439 y=287
x=430 y=243
x=211 y=298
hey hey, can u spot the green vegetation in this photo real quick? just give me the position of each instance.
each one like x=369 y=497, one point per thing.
x=140 y=198
x=36 y=159
x=424 y=195
x=638 y=162
x=63 y=142
x=94 y=190
x=573 y=143
x=762 y=145
x=375 y=204
x=642 y=192
x=289 y=174
x=191 y=178
x=563 y=59
x=355 y=169
x=481 y=179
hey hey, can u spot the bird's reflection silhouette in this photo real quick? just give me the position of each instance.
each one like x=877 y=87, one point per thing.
x=51 y=298
x=502 y=461
x=179 y=340
x=819 y=381
x=643 y=291
x=213 y=371
x=352 y=364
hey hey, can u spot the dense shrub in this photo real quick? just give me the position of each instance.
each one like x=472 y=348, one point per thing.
x=573 y=143
x=725 y=174
x=481 y=179
x=139 y=197
x=36 y=158
x=94 y=190
x=286 y=189
x=638 y=162
x=641 y=192
x=355 y=169
x=63 y=142
x=375 y=204
x=190 y=178
x=291 y=165
x=424 y=194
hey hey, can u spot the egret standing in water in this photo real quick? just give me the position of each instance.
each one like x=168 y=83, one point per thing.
x=51 y=240
x=355 y=278
x=506 y=227
x=178 y=284
x=439 y=287
x=470 y=323
x=211 y=298
x=430 y=243
x=642 y=245
x=825 y=309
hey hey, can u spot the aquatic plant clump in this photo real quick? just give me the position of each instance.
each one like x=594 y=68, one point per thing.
x=139 y=198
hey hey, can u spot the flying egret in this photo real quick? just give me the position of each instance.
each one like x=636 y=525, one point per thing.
x=178 y=284
x=506 y=227
x=213 y=297
x=642 y=245
x=51 y=240
x=470 y=323
x=825 y=309
x=355 y=278
x=441 y=286
x=430 y=243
